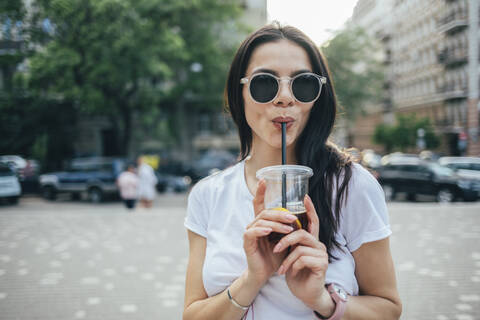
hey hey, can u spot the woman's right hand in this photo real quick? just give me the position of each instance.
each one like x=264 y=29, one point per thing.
x=262 y=262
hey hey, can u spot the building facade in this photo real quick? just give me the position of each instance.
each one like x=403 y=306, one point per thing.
x=432 y=66
x=370 y=15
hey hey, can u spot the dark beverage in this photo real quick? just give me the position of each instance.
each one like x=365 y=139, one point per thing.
x=302 y=220
x=300 y=223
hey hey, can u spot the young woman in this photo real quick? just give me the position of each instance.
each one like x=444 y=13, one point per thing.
x=342 y=267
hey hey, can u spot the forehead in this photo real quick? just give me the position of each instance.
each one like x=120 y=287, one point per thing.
x=284 y=56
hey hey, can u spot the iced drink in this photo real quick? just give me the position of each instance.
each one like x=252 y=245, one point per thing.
x=287 y=186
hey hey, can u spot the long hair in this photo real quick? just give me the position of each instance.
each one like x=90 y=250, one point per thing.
x=332 y=168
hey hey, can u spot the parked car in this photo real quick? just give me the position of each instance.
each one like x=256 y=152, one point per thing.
x=210 y=162
x=399 y=157
x=94 y=176
x=27 y=171
x=170 y=182
x=179 y=169
x=461 y=163
x=10 y=189
x=15 y=162
x=427 y=178
x=465 y=167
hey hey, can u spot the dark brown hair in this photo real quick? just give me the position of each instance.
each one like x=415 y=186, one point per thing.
x=332 y=168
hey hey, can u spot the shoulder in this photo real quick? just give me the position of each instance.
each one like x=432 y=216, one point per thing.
x=365 y=214
x=363 y=180
x=215 y=184
x=362 y=188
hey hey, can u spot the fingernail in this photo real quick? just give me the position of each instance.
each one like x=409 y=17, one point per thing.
x=277 y=248
x=281 y=270
x=287 y=228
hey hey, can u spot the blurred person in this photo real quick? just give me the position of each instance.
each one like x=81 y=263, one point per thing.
x=341 y=268
x=146 y=183
x=127 y=182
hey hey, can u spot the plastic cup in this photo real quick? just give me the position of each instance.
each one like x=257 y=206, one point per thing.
x=296 y=179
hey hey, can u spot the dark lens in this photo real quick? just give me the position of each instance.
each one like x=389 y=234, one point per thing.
x=306 y=88
x=263 y=88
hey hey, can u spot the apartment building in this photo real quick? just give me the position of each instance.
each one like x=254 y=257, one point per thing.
x=432 y=69
x=370 y=15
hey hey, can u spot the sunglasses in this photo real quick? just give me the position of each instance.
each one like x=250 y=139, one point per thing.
x=264 y=87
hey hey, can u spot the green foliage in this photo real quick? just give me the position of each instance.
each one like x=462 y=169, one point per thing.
x=404 y=134
x=12 y=9
x=357 y=73
x=37 y=128
x=123 y=59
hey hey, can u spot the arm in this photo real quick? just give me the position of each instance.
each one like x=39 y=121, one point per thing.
x=197 y=304
x=261 y=260
x=375 y=274
x=306 y=265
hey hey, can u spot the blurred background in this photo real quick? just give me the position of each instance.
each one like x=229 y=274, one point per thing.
x=87 y=86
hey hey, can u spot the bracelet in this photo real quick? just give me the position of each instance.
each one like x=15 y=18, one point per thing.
x=235 y=303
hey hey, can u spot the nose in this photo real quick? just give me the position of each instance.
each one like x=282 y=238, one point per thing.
x=284 y=97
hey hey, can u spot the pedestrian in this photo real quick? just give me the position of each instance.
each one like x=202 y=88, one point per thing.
x=146 y=183
x=342 y=265
x=127 y=182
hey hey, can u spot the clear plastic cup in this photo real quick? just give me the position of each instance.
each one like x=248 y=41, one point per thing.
x=296 y=179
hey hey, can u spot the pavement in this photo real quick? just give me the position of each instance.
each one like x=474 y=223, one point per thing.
x=75 y=260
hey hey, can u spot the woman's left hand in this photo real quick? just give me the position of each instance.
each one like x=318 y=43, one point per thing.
x=306 y=265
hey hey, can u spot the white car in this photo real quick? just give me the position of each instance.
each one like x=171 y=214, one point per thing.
x=469 y=167
x=9 y=185
x=14 y=161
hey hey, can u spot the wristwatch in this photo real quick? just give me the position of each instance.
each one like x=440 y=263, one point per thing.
x=340 y=298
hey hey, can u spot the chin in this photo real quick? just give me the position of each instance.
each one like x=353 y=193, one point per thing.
x=277 y=143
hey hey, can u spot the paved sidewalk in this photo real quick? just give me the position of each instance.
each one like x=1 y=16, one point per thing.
x=74 y=260
x=437 y=257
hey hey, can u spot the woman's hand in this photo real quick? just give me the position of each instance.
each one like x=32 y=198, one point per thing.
x=262 y=261
x=306 y=265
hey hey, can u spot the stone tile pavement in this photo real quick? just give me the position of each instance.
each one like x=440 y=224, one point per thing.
x=74 y=260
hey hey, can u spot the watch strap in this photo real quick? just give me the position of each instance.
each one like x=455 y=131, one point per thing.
x=340 y=303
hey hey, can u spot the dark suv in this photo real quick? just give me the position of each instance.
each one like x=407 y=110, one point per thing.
x=94 y=176
x=427 y=178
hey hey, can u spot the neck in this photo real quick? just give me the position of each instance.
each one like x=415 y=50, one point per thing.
x=264 y=155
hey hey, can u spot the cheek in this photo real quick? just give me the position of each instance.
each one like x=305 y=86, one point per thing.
x=305 y=117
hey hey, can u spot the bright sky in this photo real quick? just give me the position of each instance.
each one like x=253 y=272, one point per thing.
x=314 y=17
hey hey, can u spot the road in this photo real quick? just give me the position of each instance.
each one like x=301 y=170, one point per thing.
x=74 y=260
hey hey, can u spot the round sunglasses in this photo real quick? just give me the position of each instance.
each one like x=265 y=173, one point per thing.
x=264 y=87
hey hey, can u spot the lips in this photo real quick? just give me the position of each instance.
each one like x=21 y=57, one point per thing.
x=277 y=122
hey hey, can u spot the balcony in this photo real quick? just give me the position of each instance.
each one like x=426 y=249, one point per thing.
x=452 y=58
x=453 y=91
x=453 y=22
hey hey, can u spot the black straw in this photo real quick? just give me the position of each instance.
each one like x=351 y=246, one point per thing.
x=284 y=161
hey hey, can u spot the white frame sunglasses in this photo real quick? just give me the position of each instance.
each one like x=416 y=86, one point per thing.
x=321 y=81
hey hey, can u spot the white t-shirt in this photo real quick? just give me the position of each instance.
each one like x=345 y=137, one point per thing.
x=127 y=183
x=220 y=208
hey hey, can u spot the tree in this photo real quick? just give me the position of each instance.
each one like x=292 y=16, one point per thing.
x=122 y=58
x=357 y=72
x=11 y=15
x=404 y=134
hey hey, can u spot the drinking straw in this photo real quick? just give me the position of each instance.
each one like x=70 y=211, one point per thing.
x=284 y=161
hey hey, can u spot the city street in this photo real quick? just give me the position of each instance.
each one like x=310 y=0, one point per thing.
x=75 y=260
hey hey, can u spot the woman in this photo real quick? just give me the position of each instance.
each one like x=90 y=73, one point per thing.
x=146 y=183
x=127 y=182
x=342 y=267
